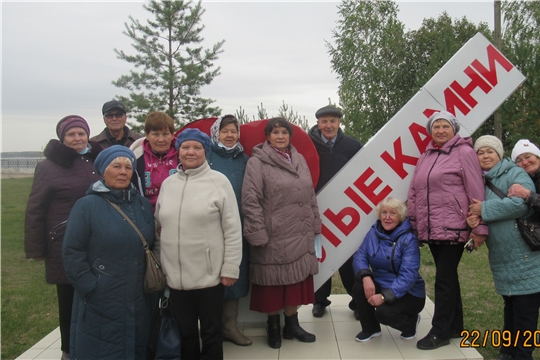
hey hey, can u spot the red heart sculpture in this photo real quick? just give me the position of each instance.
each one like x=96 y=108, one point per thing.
x=252 y=133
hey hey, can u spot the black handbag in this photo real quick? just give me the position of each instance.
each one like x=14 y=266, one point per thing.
x=168 y=345
x=529 y=227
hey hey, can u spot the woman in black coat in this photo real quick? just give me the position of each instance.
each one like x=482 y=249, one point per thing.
x=59 y=181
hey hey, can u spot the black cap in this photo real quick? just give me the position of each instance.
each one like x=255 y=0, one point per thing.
x=113 y=104
x=329 y=110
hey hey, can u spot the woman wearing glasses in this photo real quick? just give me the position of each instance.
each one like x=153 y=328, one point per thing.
x=388 y=289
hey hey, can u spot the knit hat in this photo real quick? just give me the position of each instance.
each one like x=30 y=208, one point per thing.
x=196 y=135
x=443 y=115
x=329 y=110
x=524 y=146
x=490 y=141
x=109 y=154
x=69 y=122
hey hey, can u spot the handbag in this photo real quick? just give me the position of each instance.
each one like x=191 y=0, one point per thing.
x=154 y=279
x=529 y=227
x=168 y=345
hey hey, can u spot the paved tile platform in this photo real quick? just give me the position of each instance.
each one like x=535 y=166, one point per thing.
x=335 y=340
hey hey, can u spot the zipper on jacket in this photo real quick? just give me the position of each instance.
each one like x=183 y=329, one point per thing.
x=179 y=217
x=392 y=257
x=428 y=204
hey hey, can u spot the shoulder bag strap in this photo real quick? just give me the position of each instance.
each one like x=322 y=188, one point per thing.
x=145 y=244
x=495 y=189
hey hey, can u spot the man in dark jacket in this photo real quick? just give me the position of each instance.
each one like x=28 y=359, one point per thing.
x=116 y=132
x=335 y=150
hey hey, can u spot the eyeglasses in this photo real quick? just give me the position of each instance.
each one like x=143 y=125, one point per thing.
x=115 y=115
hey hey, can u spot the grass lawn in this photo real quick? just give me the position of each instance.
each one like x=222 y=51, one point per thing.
x=29 y=308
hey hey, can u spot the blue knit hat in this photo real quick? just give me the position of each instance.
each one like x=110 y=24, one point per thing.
x=109 y=154
x=196 y=135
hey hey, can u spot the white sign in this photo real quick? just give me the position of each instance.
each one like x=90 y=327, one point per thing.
x=471 y=85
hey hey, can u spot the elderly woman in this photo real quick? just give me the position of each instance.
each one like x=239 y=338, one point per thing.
x=59 y=181
x=157 y=157
x=527 y=156
x=200 y=246
x=227 y=156
x=515 y=268
x=105 y=262
x=388 y=289
x=446 y=179
x=281 y=219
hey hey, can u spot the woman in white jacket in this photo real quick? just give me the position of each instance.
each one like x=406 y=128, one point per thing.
x=200 y=246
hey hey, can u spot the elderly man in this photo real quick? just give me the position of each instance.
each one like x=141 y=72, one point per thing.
x=116 y=131
x=335 y=150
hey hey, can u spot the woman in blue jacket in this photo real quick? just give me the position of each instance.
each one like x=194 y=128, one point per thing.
x=227 y=156
x=105 y=262
x=388 y=289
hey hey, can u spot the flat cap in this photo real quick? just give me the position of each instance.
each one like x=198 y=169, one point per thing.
x=329 y=110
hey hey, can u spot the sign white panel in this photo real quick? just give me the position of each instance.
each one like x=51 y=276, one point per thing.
x=471 y=85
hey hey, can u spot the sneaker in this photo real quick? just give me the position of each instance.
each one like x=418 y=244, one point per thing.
x=431 y=342
x=412 y=334
x=365 y=336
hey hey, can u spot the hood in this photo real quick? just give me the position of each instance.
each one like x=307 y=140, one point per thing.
x=457 y=140
x=500 y=168
x=64 y=156
x=116 y=196
x=401 y=229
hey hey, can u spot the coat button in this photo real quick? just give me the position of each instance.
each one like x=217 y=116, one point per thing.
x=101 y=267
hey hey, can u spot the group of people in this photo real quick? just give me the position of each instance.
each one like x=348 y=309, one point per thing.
x=221 y=223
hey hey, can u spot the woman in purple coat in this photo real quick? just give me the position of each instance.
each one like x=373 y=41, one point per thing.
x=59 y=181
x=446 y=180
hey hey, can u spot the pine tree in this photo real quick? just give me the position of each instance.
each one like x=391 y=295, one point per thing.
x=170 y=64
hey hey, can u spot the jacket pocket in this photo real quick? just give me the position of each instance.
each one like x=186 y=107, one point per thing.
x=208 y=261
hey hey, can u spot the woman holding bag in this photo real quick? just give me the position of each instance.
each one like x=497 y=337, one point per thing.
x=105 y=261
x=515 y=268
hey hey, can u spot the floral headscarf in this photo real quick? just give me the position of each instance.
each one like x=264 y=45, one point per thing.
x=214 y=134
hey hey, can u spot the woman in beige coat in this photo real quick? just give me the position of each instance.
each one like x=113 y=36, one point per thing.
x=281 y=219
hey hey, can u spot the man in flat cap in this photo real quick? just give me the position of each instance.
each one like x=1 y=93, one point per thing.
x=335 y=150
x=116 y=131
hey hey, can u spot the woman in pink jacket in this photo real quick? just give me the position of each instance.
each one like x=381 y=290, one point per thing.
x=446 y=180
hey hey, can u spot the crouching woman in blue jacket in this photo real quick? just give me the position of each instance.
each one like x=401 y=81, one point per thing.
x=388 y=288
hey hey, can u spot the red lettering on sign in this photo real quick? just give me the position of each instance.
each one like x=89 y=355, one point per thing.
x=334 y=240
x=397 y=163
x=453 y=101
x=338 y=219
x=476 y=81
x=321 y=260
x=417 y=131
x=369 y=190
x=493 y=56
x=358 y=200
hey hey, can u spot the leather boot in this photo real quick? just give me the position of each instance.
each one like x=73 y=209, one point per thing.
x=293 y=330
x=274 y=331
x=230 y=330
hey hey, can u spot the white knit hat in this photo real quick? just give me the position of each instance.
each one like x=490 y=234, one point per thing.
x=443 y=115
x=490 y=141
x=524 y=146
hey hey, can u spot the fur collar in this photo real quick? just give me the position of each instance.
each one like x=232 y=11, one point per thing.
x=64 y=156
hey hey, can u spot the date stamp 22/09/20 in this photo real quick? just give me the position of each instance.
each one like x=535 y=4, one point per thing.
x=499 y=338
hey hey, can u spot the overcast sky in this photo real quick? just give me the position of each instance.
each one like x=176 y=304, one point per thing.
x=58 y=58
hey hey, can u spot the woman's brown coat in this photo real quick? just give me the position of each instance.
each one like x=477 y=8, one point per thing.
x=281 y=217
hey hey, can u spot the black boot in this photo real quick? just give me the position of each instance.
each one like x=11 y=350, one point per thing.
x=274 y=331
x=293 y=330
